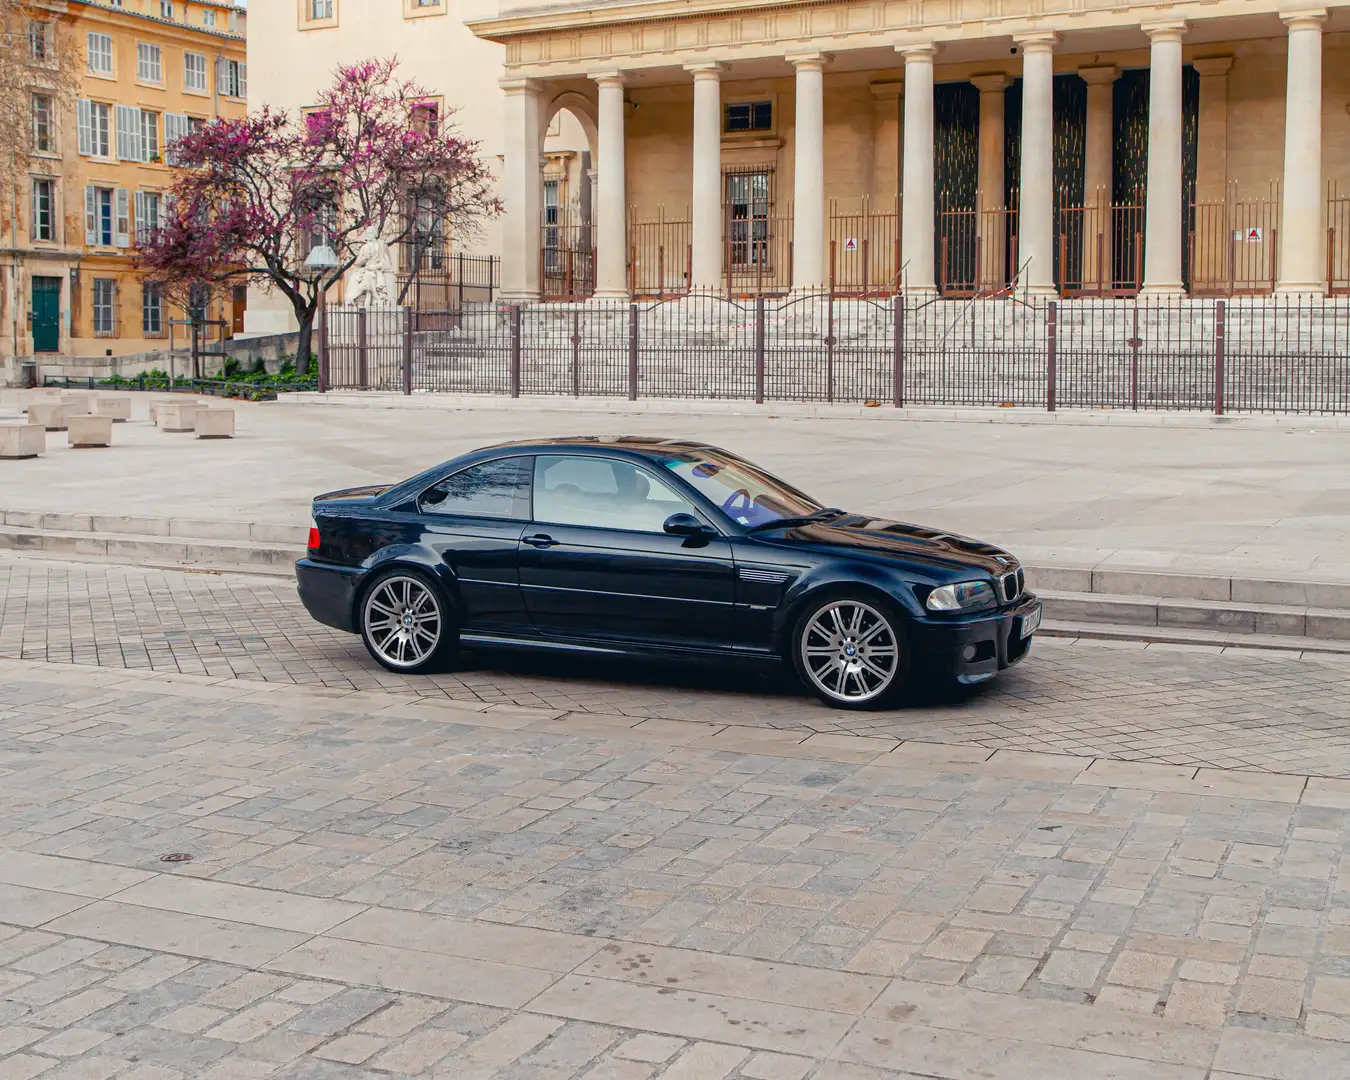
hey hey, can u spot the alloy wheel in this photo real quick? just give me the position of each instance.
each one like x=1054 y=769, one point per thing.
x=849 y=651
x=403 y=621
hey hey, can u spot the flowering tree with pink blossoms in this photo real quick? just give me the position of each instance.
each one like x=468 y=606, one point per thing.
x=252 y=197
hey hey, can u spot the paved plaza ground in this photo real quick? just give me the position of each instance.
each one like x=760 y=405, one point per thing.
x=1117 y=862
x=1249 y=495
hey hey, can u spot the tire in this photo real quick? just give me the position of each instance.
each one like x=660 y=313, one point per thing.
x=850 y=650
x=406 y=622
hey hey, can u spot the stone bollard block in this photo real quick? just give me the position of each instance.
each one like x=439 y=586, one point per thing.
x=178 y=416
x=116 y=406
x=50 y=415
x=215 y=423
x=22 y=440
x=77 y=404
x=90 y=431
x=158 y=403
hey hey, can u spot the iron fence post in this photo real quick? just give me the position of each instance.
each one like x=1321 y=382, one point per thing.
x=898 y=349
x=1051 y=332
x=460 y=279
x=632 y=352
x=759 y=350
x=407 y=350
x=1134 y=344
x=1220 y=310
x=576 y=354
x=829 y=349
x=323 y=343
x=362 y=351
x=514 y=374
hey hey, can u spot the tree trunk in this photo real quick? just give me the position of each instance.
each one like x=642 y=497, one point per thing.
x=304 y=346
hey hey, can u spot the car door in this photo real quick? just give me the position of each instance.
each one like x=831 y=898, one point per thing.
x=595 y=561
x=473 y=519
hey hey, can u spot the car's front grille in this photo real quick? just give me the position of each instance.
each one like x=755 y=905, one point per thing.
x=1011 y=585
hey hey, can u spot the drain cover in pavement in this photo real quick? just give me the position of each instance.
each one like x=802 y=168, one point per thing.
x=177 y=856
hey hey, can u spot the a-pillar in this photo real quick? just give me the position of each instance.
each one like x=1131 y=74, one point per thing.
x=1162 y=204
x=917 y=219
x=706 y=239
x=1036 y=202
x=1098 y=166
x=886 y=142
x=1301 y=249
x=611 y=217
x=522 y=192
x=989 y=230
x=808 y=196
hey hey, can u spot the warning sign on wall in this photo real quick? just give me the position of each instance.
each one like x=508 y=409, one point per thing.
x=1252 y=235
x=851 y=244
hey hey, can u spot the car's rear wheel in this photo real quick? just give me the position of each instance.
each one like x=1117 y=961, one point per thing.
x=850 y=651
x=406 y=623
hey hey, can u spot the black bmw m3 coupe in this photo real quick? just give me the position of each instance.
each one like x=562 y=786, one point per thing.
x=658 y=549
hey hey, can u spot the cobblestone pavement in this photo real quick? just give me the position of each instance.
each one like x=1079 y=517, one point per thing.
x=1239 y=709
x=383 y=886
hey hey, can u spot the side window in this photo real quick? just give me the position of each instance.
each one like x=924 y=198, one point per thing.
x=604 y=493
x=492 y=489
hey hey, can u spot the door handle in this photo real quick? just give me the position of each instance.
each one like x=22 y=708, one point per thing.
x=539 y=540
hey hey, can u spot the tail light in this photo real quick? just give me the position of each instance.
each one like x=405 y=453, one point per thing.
x=313 y=543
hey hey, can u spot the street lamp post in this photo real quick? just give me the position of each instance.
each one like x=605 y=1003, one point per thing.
x=320 y=261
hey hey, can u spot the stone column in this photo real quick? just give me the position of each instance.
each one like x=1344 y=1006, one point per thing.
x=522 y=192
x=1098 y=167
x=886 y=143
x=1302 y=266
x=1162 y=203
x=706 y=208
x=989 y=227
x=611 y=218
x=917 y=220
x=809 y=271
x=1211 y=166
x=1036 y=204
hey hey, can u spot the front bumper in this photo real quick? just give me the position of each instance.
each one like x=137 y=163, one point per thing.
x=973 y=648
x=329 y=592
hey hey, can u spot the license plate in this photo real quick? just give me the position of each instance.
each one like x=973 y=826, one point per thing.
x=1030 y=623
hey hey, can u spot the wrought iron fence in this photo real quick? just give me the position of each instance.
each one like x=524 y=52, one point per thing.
x=1247 y=354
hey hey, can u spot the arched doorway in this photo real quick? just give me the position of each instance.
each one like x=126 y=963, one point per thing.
x=568 y=144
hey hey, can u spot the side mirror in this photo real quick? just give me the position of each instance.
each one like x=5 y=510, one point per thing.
x=684 y=525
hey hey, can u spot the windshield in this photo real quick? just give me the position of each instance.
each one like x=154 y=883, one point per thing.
x=744 y=493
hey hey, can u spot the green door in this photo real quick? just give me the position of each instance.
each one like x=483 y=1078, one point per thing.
x=46 y=314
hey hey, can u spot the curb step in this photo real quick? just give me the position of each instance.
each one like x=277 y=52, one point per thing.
x=1208 y=639
x=151 y=550
x=1220 y=616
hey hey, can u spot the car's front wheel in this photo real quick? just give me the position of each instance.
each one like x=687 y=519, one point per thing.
x=851 y=652
x=405 y=623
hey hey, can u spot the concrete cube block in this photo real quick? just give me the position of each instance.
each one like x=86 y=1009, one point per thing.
x=90 y=430
x=158 y=403
x=22 y=440
x=47 y=414
x=77 y=404
x=178 y=416
x=117 y=406
x=215 y=424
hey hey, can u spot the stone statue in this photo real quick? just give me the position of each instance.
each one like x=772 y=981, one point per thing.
x=372 y=274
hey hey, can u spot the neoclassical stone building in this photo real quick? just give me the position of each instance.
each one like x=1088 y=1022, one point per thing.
x=961 y=146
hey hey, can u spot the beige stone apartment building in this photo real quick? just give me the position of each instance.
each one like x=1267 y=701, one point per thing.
x=960 y=146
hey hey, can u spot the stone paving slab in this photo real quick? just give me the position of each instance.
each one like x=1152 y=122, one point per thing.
x=1162 y=706
x=463 y=898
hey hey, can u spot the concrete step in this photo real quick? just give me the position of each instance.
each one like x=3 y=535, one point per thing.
x=1225 y=616
x=1175 y=585
x=1200 y=639
x=140 y=525
x=150 y=550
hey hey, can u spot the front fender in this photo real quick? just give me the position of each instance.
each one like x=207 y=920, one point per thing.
x=861 y=576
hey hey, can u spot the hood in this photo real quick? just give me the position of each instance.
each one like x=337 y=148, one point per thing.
x=914 y=543
x=367 y=492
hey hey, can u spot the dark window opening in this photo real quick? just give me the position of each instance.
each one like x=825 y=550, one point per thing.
x=750 y=116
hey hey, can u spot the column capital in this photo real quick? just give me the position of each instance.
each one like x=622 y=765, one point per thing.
x=1208 y=66
x=992 y=84
x=887 y=90
x=1099 y=75
x=1305 y=19
x=706 y=69
x=808 y=61
x=1042 y=41
x=918 y=52
x=512 y=85
x=607 y=78
x=1171 y=30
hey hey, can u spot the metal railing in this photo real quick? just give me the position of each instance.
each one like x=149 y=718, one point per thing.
x=1280 y=354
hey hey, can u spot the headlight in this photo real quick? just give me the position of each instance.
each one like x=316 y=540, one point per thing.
x=963 y=596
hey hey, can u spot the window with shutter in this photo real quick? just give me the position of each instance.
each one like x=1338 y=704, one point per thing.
x=149 y=135
x=175 y=127
x=100 y=136
x=194 y=72
x=44 y=210
x=123 y=218
x=149 y=67
x=84 y=112
x=100 y=53
x=129 y=139
x=222 y=76
x=90 y=215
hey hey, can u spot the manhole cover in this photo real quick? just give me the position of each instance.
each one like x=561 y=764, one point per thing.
x=177 y=856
